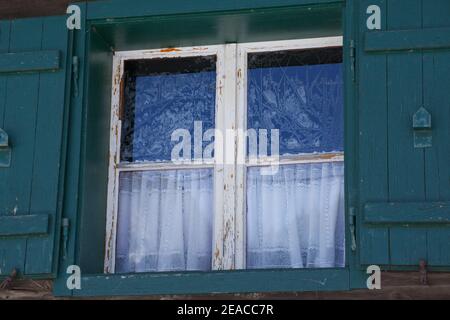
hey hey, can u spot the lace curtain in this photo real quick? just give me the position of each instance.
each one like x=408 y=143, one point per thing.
x=165 y=221
x=295 y=219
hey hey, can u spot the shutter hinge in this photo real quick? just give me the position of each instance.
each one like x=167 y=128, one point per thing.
x=353 y=59
x=65 y=236
x=352 y=225
x=75 y=71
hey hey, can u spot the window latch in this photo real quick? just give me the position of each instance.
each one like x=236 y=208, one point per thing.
x=65 y=236
x=352 y=223
x=353 y=59
x=75 y=71
x=5 y=150
x=423 y=137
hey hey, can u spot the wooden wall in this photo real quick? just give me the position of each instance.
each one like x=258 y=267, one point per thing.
x=10 y=9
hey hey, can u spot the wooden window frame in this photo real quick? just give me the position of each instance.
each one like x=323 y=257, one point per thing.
x=229 y=231
x=243 y=50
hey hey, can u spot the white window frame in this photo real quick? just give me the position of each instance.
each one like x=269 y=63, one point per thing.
x=243 y=51
x=230 y=114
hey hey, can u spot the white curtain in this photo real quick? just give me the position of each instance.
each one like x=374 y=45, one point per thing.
x=165 y=221
x=295 y=219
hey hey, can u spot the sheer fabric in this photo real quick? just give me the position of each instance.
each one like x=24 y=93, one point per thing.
x=295 y=219
x=165 y=221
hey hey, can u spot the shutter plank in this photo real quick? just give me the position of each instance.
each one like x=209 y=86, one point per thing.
x=19 y=123
x=406 y=164
x=437 y=100
x=17 y=62
x=12 y=255
x=47 y=157
x=23 y=225
x=408 y=246
x=4 y=46
x=373 y=159
x=20 y=119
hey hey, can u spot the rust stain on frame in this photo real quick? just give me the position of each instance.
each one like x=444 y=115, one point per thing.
x=170 y=50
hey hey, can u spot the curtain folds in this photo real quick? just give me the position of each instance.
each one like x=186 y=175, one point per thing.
x=165 y=221
x=295 y=219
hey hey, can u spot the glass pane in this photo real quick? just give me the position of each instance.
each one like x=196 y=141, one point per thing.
x=161 y=96
x=300 y=93
x=295 y=219
x=165 y=221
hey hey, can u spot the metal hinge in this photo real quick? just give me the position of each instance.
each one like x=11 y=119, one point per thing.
x=65 y=236
x=353 y=59
x=352 y=225
x=75 y=73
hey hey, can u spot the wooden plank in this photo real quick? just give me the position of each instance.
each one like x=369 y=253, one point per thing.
x=407 y=212
x=435 y=14
x=374 y=246
x=47 y=155
x=228 y=190
x=438 y=247
x=17 y=62
x=408 y=246
x=373 y=141
x=405 y=40
x=5 y=27
x=432 y=95
x=73 y=145
x=12 y=255
x=436 y=67
x=218 y=282
x=404 y=83
x=116 y=9
x=20 y=120
x=19 y=123
x=406 y=164
x=24 y=225
x=436 y=97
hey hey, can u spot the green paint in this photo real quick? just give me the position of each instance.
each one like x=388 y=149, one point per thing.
x=24 y=225
x=401 y=40
x=17 y=62
x=407 y=212
x=217 y=282
x=32 y=106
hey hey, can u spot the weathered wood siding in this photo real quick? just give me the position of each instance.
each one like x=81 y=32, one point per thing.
x=12 y=9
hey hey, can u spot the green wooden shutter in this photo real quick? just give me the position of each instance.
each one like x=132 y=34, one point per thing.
x=33 y=57
x=404 y=199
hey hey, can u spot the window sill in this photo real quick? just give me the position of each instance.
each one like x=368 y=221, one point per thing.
x=245 y=281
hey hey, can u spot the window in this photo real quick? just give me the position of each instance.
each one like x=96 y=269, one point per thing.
x=227 y=157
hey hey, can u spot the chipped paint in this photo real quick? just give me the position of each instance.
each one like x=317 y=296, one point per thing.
x=229 y=180
x=170 y=50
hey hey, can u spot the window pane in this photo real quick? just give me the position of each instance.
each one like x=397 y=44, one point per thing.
x=299 y=92
x=161 y=96
x=295 y=219
x=165 y=221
